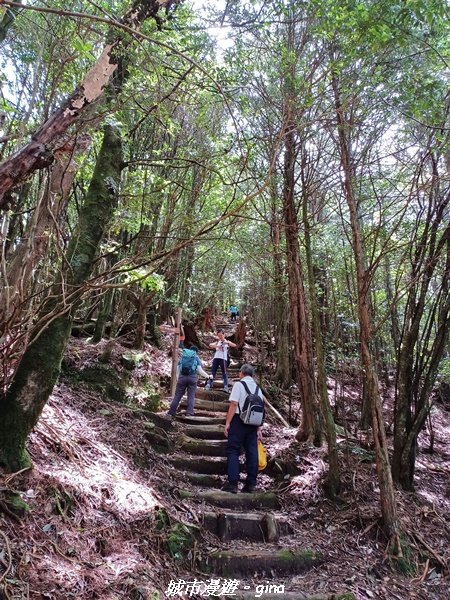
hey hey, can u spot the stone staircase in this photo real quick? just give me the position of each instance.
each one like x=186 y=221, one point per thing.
x=254 y=540
x=249 y=528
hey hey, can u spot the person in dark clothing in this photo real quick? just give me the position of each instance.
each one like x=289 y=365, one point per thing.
x=239 y=434
x=233 y=312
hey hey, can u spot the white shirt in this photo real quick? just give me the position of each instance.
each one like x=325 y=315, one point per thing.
x=239 y=393
x=221 y=350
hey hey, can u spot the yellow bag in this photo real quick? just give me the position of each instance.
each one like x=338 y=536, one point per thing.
x=262 y=456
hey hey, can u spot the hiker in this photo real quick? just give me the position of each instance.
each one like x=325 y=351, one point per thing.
x=189 y=368
x=220 y=358
x=233 y=312
x=239 y=433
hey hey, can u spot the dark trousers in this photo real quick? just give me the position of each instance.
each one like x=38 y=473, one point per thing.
x=244 y=435
x=220 y=362
x=185 y=382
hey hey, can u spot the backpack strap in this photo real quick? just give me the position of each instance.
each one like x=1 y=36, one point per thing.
x=247 y=390
x=245 y=386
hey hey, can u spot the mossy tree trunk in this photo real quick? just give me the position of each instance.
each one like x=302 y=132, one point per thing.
x=40 y=365
x=332 y=482
x=103 y=315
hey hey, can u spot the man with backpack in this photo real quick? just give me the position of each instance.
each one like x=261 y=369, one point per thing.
x=189 y=368
x=242 y=428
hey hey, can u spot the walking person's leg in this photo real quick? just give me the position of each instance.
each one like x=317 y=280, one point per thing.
x=215 y=363
x=223 y=368
x=234 y=442
x=179 y=391
x=191 y=389
x=251 y=457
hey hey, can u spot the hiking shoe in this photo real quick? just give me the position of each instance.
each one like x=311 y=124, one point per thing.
x=248 y=488
x=232 y=488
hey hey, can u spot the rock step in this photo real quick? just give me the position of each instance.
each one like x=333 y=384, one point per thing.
x=213 y=406
x=201 y=464
x=216 y=396
x=218 y=383
x=209 y=414
x=204 y=447
x=205 y=432
x=261 y=527
x=203 y=480
x=201 y=420
x=228 y=500
x=267 y=563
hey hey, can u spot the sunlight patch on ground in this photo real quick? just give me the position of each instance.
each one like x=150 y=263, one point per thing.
x=91 y=466
x=75 y=577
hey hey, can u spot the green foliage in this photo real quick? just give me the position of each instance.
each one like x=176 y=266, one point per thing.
x=178 y=537
x=146 y=280
x=444 y=370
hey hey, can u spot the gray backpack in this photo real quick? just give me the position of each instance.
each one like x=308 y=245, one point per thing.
x=253 y=411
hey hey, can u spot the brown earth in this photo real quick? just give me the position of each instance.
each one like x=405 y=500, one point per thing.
x=105 y=515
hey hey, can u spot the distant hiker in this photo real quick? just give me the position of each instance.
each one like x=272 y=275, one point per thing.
x=233 y=312
x=221 y=358
x=246 y=407
x=189 y=368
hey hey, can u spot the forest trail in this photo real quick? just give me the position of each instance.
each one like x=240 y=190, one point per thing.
x=253 y=540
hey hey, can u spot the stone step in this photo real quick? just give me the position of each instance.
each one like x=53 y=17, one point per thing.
x=205 y=465
x=212 y=406
x=203 y=480
x=228 y=500
x=205 y=432
x=215 y=396
x=263 y=527
x=218 y=383
x=266 y=563
x=203 y=447
x=209 y=414
x=201 y=421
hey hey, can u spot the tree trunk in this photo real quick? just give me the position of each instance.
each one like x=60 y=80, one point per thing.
x=387 y=493
x=39 y=152
x=332 y=482
x=15 y=293
x=191 y=337
x=310 y=427
x=240 y=333
x=283 y=373
x=154 y=333
x=8 y=19
x=423 y=339
x=40 y=365
x=103 y=315
x=141 y=321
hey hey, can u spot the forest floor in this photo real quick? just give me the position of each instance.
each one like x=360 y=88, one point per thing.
x=100 y=499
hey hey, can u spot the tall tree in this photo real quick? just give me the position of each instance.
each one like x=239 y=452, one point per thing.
x=40 y=364
x=39 y=152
